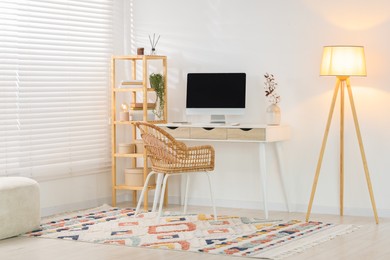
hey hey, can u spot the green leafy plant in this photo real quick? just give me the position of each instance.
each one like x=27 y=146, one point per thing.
x=157 y=83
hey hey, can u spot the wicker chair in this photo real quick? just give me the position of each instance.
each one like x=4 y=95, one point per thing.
x=171 y=157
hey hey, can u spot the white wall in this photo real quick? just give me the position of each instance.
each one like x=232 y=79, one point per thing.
x=284 y=38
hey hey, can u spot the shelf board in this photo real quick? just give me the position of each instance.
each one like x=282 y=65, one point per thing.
x=132 y=82
x=136 y=106
x=126 y=187
x=128 y=89
x=123 y=122
x=135 y=89
x=129 y=155
x=158 y=121
x=140 y=108
x=139 y=57
x=134 y=121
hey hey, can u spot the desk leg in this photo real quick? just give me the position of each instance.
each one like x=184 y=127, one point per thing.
x=263 y=175
x=279 y=157
x=183 y=183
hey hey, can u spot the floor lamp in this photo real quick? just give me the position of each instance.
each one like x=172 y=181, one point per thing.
x=343 y=62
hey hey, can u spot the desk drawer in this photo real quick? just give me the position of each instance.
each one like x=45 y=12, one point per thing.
x=208 y=133
x=178 y=132
x=257 y=134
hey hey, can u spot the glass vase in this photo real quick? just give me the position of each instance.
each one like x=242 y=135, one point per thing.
x=273 y=115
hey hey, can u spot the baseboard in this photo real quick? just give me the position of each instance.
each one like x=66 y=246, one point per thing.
x=256 y=205
x=348 y=211
x=230 y=203
x=366 y=212
x=48 y=211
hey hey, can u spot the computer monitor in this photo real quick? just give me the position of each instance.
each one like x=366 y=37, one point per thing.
x=216 y=94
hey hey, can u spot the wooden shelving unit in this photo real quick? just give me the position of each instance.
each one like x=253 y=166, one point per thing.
x=137 y=91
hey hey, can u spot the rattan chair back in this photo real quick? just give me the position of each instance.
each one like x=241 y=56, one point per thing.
x=167 y=155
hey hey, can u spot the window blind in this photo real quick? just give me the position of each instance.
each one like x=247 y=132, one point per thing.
x=54 y=78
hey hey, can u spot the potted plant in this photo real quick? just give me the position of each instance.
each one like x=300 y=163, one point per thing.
x=157 y=83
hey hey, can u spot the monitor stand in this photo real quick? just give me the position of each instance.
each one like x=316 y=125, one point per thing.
x=217 y=119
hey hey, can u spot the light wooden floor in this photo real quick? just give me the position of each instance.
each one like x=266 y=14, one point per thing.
x=370 y=242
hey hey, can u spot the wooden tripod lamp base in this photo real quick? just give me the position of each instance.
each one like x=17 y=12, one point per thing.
x=343 y=61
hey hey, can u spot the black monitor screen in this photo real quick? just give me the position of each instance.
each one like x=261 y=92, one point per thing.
x=216 y=90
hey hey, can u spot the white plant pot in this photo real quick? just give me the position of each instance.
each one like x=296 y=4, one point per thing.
x=273 y=116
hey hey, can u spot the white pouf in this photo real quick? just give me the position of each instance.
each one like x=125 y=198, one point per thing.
x=19 y=206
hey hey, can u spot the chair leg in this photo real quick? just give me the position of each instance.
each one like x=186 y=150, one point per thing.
x=157 y=192
x=186 y=193
x=162 y=197
x=143 y=193
x=212 y=196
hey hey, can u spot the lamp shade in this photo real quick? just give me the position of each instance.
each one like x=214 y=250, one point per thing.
x=343 y=61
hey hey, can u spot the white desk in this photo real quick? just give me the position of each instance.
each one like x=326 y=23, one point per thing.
x=261 y=134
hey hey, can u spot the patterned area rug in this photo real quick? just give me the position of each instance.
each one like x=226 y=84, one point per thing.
x=230 y=235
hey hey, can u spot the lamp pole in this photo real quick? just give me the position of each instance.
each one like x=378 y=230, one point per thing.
x=341 y=83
